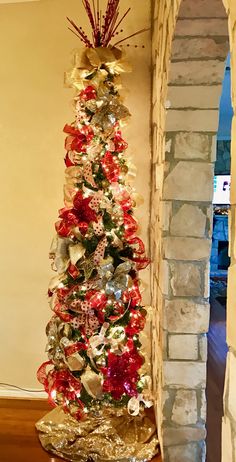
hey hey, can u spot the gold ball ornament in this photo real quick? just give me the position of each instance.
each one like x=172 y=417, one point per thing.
x=105 y=184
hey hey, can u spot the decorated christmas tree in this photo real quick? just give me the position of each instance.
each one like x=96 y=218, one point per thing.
x=95 y=365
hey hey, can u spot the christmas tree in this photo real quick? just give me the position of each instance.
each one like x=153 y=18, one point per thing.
x=93 y=336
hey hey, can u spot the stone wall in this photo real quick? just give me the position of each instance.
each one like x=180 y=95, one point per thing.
x=164 y=14
x=185 y=122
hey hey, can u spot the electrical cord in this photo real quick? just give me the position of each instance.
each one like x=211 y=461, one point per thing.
x=2 y=384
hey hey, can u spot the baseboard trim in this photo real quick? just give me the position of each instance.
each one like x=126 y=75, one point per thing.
x=21 y=394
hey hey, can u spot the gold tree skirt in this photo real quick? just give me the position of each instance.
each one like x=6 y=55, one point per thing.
x=113 y=435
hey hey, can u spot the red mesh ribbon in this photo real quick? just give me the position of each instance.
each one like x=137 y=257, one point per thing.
x=60 y=310
x=72 y=349
x=131 y=225
x=141 y=260
x=42 y=374
x=132 y=295
x=119 y=144
x=78 y=139
x=60 y=382
x=110 y=167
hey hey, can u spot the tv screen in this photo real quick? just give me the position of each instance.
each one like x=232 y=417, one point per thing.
x=221 y=190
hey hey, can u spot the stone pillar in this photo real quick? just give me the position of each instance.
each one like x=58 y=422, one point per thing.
x=164 y=19
x=184 y=151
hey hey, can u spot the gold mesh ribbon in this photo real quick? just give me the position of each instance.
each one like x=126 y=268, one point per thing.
x=93 y=59
x=110 y=436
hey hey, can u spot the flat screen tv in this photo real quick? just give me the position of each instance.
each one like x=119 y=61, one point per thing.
x=221 y=190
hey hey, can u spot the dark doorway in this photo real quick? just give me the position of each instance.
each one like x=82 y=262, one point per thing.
x=220 y=261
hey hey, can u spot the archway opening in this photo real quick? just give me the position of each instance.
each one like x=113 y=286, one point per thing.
x=219 y=264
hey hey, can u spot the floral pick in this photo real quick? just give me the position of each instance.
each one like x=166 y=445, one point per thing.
x=104 y=25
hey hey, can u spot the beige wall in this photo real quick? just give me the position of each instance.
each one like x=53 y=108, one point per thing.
x=35 y=51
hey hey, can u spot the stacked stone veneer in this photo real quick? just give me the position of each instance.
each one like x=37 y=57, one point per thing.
x=185 y=122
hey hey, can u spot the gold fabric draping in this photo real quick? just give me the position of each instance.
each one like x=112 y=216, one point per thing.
x=108 y=436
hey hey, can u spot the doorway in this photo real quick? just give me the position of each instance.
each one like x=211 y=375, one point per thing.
x=220 y=262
